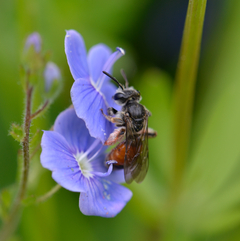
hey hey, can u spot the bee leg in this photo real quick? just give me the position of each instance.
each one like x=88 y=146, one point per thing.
x=148 y=112
x=116 y=120
x=117 y=136
x=151 y=133
x=111 y=111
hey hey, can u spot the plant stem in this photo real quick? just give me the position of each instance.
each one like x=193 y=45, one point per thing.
x=185 y=85
x=10 y=224
x=25 y=144
x=40 y=109
x=48 y=194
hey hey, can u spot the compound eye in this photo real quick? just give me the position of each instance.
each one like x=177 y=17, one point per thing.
x=119 y=97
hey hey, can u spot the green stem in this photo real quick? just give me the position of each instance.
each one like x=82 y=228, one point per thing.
x=185 y=84
x=10 y=224
x=48 y=194
x=43 y=107
x=25 y=143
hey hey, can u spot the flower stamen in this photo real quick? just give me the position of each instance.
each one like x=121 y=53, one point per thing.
x=91 y=148
x=108 y=65
x=84 y=165
x=93 y=157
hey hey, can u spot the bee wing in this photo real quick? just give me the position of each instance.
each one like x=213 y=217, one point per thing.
x=136 y=156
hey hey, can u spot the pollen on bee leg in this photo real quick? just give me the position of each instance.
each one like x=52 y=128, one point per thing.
x=115 y=137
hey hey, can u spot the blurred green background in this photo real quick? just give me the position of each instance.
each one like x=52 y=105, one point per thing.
x=208 y=207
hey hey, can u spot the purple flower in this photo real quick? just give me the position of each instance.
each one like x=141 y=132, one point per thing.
x=51 y=73
x=77 y=163
x=92 y=90
x=35 y=40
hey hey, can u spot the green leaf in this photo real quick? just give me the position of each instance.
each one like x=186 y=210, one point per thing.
x=185 y=85
x=220 y=222
x=17 y=132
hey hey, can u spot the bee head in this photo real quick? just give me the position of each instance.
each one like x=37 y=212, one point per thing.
x=129 y=94
x=124 y=94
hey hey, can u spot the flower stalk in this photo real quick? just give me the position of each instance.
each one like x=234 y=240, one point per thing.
x=25 y=144
x=185 y=85
x=49 y=194
x=11 y=222
x=40 y=110
x=31 y=75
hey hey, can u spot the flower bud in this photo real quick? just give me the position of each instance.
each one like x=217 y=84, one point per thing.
x=52 y=77
x=32 y=59
x=51 y=73
x=34 y=40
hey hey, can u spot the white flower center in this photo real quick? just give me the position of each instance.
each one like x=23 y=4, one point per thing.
x=84 y=164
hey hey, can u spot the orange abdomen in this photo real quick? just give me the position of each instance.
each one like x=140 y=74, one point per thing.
x=118 y=153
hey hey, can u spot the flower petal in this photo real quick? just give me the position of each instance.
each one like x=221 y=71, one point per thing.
x=88 y=103
x=57 y=156
x=108 y=90
x=98 y=165
x=76 y=54
x=116 y=176
x=104 y=174
x=104 y=198
x=73 y=130
x=108 y=65
x=97 y=57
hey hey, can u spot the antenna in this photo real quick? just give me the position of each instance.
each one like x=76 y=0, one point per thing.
x=125 y=78
x=110 y=76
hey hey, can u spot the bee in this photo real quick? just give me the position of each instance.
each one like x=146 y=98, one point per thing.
x=132 y=132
